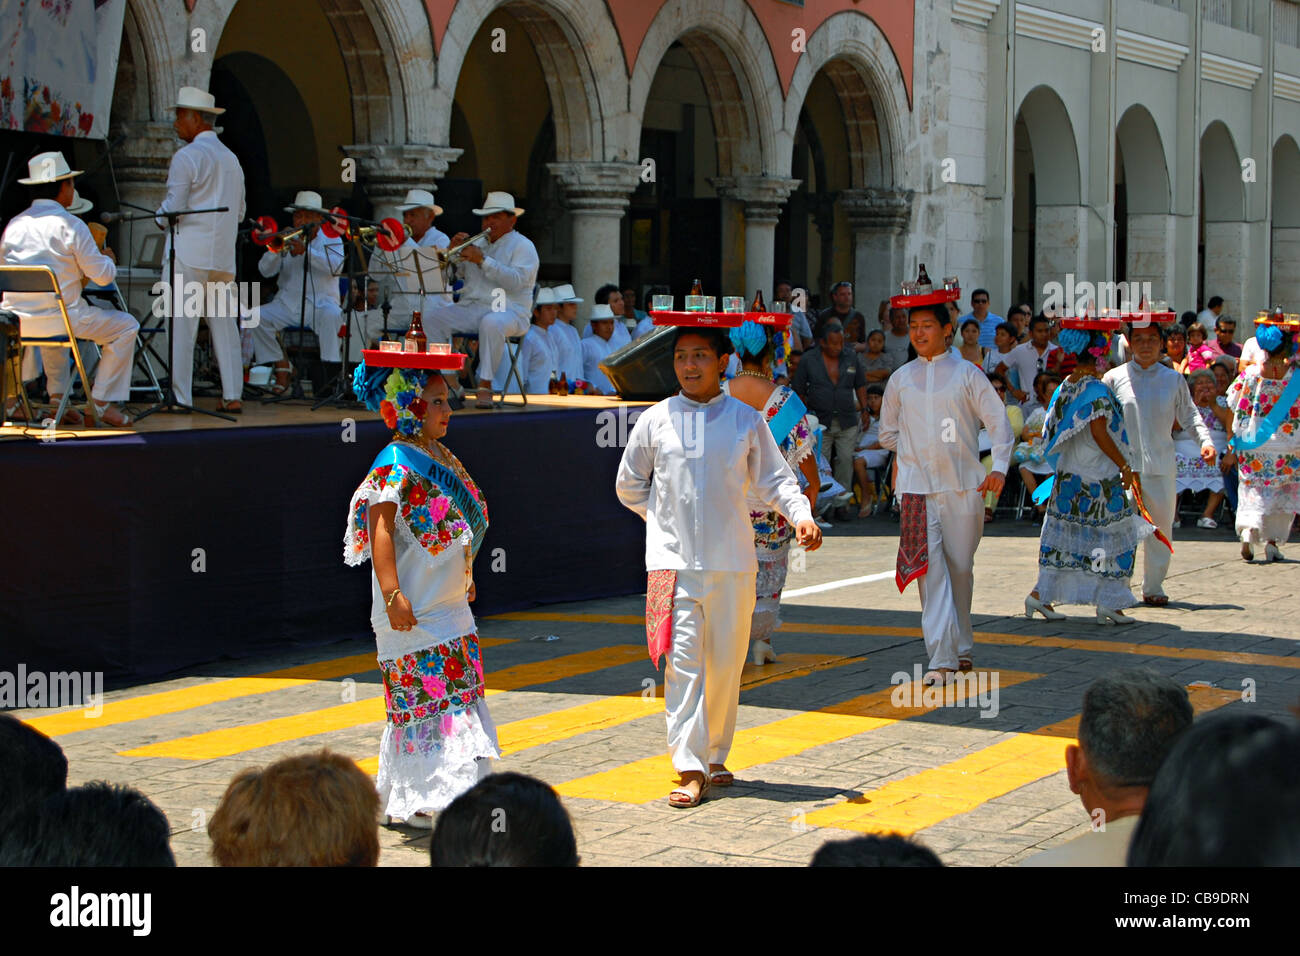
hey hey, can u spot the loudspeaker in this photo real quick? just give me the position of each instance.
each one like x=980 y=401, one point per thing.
x=642 y=370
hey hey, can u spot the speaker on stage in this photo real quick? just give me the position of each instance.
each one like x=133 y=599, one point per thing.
x=642 y=370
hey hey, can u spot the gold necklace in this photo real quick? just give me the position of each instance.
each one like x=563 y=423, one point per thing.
x=764 y=377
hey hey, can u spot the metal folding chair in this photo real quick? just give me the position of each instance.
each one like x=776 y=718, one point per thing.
x=513 y=344
x=41 y=280
x=143 y=346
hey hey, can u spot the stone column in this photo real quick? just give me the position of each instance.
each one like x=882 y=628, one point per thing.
x=1153 y=253
x=389 y=170
x=879 y=219
x=1228 y=252
x=140 y=164
x=1060 y=248
x=763 y=197
x=596 y=196
x=1285 y=289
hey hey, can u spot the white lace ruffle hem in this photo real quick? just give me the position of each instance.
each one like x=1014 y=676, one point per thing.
x=1082 y=587
x=411 y=783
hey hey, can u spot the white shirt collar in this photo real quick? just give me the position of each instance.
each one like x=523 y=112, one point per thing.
x=720 y=397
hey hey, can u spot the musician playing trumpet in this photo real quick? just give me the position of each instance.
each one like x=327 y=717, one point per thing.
x=412 y=267
x=307 y=255
x=500 y=271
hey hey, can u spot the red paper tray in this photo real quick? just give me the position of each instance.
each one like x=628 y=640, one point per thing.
x=448 y=362
x=938 y=297
x=722 y=320
x=1106 y=324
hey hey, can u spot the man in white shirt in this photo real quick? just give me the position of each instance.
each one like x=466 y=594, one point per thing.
x=410 y=268
x=598 y=348
x=1153 y=397
x=308 y=290
x=538 y=363
x=500 y=272
x=204 y=174
x=1209 y=315
x=610 y=295
x=570 y=342
x=47 y=234
x=1131 y=719
x=931 y=417
x=688 y=466
x=1029 y=358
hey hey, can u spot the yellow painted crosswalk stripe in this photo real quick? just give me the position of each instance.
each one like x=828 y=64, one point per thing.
x=607 y=712
x=931 y=796
x=649 y=779
x=212 y=692
x=233 y=740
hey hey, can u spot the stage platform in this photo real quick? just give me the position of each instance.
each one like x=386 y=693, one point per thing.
x=187 y=539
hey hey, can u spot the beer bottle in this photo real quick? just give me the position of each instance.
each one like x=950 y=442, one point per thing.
x=697 y=288
x=416 y=340
x=553 y=386
x=758 y=305
x=923 y=283
x=564 y=384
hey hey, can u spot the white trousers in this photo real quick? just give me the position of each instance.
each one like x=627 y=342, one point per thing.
x=711 y=618
x=492 y=328
x=223 y=330
x=1161 y=500
x=954 y=526
x=115 y=332
x=284 y=312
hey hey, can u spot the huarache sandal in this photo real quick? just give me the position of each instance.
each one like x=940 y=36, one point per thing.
x=1155 y=600
x=233 y=407
x=683 y=799
x=721 y=778
x=965 y=664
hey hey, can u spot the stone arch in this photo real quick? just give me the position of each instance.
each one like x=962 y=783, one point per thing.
x=1225 y=196
x=861 y=65
x=1286 y=169
x=730 y=50
x=580 y=58
x=1047 y=122
x=1146 y=168
x=144 y=34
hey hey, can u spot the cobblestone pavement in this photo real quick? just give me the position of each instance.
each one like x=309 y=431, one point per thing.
x=823 y=747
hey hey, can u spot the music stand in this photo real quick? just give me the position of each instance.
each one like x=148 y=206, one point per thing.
x=341 y=387
x=294 y=391
x=169 y=403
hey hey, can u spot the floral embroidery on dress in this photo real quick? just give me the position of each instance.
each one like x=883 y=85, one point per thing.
x=424 y=689
x=1251 y=398
x=798 y=444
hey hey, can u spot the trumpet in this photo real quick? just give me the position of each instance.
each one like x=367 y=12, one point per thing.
x=275 y=240
x=447 y=256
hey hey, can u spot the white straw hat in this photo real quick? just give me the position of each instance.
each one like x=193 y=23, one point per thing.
x=498 y=202
x=193 y=98
x=602 y=311
x=566 y=293
x=546 y=296
x=419 y=199
x=47 y=168
x=307 y=201
x=80 y=204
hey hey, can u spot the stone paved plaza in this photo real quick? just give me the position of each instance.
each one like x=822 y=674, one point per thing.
x=826 y=745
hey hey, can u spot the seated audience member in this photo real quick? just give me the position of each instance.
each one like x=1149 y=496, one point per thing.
x=876 y=362
x=1176 y=356
x=1017 y=419
x=538 y=362
x=1223 y=375
x=506 y=819
x=1224 y=341
x=1131 y=720
x=317 y=809
x=598 y=348
x=998 y=359
x=1228 y=794
x=1199 y=354
x=570 y=347
x=889 y=850
x=34 y=766
x=98 y=824
x=1194 y=475
x=1029 y=453
x=609 y=295
x=870 y=455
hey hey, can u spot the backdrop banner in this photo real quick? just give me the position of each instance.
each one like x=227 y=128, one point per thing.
x=60 y=65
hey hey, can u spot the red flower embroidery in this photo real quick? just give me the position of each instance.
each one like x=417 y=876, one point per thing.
x=417 y=496
x=406 y=680
x=453 y=669
x=444 y=535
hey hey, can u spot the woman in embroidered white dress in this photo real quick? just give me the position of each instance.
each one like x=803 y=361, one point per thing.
x=1193 y=473
x=420 y=518
x=786 y=416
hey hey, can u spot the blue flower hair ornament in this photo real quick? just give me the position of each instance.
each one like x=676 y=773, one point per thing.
x=749 y=338
x=1268 y=337
x=1078 y=341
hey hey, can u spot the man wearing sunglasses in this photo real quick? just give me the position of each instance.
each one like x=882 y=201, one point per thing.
x=979 y=311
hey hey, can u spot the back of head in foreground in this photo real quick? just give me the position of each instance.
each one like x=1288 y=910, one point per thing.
x=506 y=819
x=875 y=850
x=1130 y=721
x=316 y=809
x=32 y=766
x=98 y=824
x=1228 y=794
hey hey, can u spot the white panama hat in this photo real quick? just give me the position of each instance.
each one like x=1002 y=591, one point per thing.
x=80 y=204
x=307 y=201
x=498 y=202
x=193 y=98
x=602 y=311
x=546 y=296
x=566 y=293
x=419 y=199
x=47 y=168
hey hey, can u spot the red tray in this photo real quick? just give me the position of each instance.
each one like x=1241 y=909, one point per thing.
x=447 y=362
x=1106 y=324
x=722 y=320
x=938 y=297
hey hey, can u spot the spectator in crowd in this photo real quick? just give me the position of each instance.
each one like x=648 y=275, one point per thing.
x=1187 y=319
x=897 y=339
x=870 y=456
x=792 y=361
x=506 y=819
x=1210 y=314
x=800 y=327
x=597 y=348
x=538 y=362
x=1225 y=334
x=828 y=381
x=1130 y=722
x=1228 y=794
x=988 y=321
x=1199 y=353
x=609 y=295
x=1194 y=474
x=1029 y=454
x=970 y=348
x=569 y=349
x=1176 y=356
x=631 y=313
x=98 y=824
x=855 y=333
x=1030 y=358
x=998 y=359
x=876 y=362
x=1020 y=317
x=34 y=767
x=1223 y=376
x=841 y=307
x=317 y=809
x=891 y=849
x=1017 y=419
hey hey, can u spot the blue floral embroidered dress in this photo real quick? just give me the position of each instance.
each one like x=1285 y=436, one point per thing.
x=438 y=738
x=1268 y=490
x=1090 y=532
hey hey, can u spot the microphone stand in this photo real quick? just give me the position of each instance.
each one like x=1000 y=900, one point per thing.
x=341 y=387
x=169 y=403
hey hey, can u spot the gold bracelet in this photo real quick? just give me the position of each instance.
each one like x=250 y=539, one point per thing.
x=391 y=597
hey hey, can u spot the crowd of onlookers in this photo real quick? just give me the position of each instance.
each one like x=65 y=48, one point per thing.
x=1159 y=788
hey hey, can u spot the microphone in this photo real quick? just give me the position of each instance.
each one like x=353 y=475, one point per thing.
x=108 y=218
